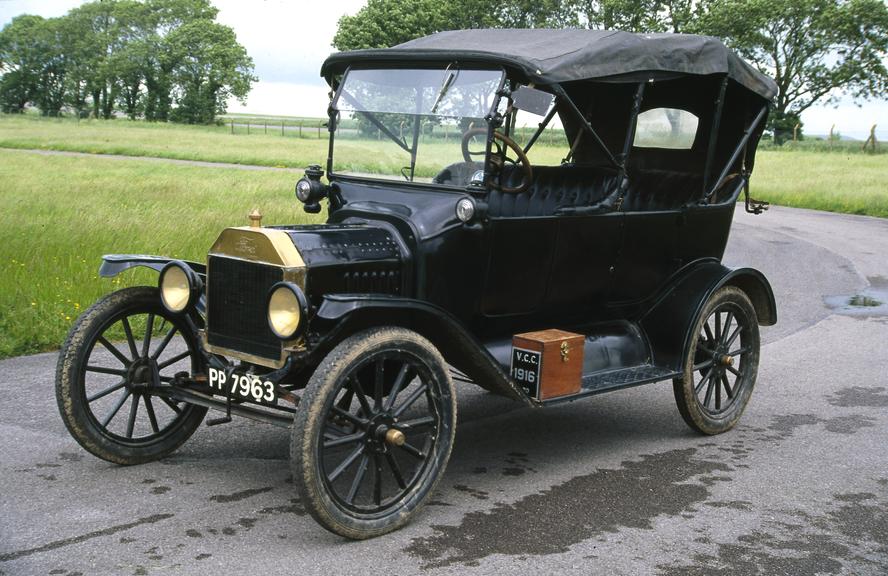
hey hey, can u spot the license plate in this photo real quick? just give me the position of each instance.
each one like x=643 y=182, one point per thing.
x=244 y=386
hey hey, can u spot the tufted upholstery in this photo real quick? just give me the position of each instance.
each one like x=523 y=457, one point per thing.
x=553 y=187
x=653 y=190
x=571 y=186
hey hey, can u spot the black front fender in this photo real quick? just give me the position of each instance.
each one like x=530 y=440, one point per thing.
x=669 y=322
x=114 y=264
x=342 y=315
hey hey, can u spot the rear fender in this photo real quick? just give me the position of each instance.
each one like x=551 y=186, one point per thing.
x=670 y=321
x=341 y=315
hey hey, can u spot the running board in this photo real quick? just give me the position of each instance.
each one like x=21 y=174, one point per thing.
x=599 y=382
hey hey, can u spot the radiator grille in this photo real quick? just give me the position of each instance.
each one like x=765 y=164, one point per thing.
x=236 y=306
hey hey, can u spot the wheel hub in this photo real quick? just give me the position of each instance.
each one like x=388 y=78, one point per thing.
x=382 y=433
x=141 y=374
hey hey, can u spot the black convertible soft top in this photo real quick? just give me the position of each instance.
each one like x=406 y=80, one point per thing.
x=548 y=56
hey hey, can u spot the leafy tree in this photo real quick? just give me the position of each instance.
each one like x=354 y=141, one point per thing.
x=20 y=62
x=138 y=56
x=536 y=14
x=34 y=63
x=385 y=23
x=95 y=37
x=210 y=67
x=161 y=18
x=816 y=50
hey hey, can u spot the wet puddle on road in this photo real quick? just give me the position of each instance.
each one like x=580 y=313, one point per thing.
x=871 y=301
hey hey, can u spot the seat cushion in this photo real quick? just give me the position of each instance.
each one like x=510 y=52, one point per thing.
x=552 y=188
x=656 y=190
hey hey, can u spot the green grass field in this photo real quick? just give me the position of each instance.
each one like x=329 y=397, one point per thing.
x=62 y=213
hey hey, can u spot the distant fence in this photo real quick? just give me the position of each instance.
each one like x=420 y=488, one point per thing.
x=314 y=128
x=317 y=129
x=300 y=128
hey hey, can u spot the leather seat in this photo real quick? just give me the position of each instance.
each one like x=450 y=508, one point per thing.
x=553 y=188
x=657 y=190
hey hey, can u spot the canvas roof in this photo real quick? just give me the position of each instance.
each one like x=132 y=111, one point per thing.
x=547 y=56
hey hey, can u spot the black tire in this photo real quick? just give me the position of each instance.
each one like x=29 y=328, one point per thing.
x=131 y=376
x=725 y=347
x=387 y=370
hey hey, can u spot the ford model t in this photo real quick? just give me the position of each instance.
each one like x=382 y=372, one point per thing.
x=458 y=245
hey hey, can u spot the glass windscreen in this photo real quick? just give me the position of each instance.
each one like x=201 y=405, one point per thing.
x=414 y=125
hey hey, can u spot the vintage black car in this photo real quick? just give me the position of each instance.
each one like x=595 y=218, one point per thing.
x=453 y=252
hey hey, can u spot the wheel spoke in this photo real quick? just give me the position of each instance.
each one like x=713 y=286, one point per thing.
x=131 y=422
x=146 y=342
x=106 y=391
x=410 y=399
x=416 y=423
x=412 y=450
x=709 y=336
x=377 y=480
x=349 y=460
x=116 y=409
x=378 y=384
x=359 y=392
x=738 y=352
x=356 y=483
x=346 y=401
x=718 y=393
x=149 y=407
x=728 y=389
x=173 y=360
x=349 y=416
x=703 y=381
x=733 y=336
x=729 y=319
x=102 y=370
x=164 y=342
x=702 y=365
x=718 y=326
x=724 y=382
x=347 y=439
x=170 y=403
x=734 y=371
x=396 y=387
x=708 y=394
x=396 y=470
x=113 y=349
x=129 y=337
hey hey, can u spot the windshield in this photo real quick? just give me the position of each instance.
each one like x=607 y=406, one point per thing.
x=414 y=125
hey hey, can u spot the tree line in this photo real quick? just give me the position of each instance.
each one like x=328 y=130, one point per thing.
x=816 y=50
x=154 y=59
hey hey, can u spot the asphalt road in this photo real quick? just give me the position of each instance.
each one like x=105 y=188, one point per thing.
x=616 y=484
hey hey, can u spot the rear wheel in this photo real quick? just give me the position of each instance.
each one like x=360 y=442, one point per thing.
x=722 y=363
x=374 y=433
x=112 y=369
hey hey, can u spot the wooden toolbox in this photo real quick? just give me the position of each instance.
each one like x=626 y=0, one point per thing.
x=548 y=363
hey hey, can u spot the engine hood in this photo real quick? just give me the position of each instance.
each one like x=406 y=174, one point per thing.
x=331 y=258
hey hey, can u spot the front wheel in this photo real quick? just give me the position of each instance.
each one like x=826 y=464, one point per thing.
x=721 y=365
x=111 y=375
x=374 y=432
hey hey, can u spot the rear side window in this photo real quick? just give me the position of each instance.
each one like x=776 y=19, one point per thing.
x=666 y=128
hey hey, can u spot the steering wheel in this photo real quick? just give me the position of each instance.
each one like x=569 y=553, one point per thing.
x=499 y=158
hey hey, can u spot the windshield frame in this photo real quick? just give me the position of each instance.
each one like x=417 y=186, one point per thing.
x=334 y=115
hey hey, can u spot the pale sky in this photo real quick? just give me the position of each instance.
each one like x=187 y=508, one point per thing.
x=289 y=39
